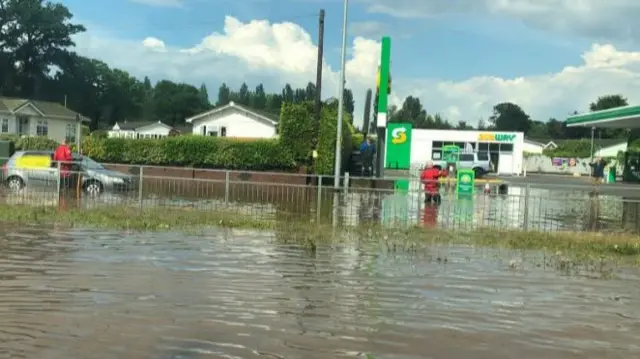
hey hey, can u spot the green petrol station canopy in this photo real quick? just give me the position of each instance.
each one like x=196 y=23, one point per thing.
x=620 y=117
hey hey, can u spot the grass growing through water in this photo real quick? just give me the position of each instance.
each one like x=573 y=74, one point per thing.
x=587 y=245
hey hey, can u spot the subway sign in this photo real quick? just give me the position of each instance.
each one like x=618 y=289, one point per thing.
x=496 y=137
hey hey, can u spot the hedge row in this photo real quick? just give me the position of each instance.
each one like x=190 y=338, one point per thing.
x=297 y=129
x=572 y=148
x=193 y=151
x=327 y=140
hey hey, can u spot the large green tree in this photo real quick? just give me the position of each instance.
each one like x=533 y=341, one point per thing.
x=508 y=116
x=34 y=36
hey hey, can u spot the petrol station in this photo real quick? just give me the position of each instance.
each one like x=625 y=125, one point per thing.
x=627 y=117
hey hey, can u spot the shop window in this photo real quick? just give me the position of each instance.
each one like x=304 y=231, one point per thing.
x=494 y=147
x=436 y=155
x=436 y=144
x=483 y=146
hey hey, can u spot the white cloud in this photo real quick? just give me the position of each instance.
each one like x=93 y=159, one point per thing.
x=275 y=54
x=594 y=19
x=154 y=43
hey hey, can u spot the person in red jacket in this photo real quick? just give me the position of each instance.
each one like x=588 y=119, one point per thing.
x=63 y=155
x=430 y=177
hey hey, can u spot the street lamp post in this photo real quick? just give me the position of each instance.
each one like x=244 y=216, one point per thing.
x=343 y=54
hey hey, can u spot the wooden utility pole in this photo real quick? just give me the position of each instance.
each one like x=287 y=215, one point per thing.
x=319 y=68
x=367 y=113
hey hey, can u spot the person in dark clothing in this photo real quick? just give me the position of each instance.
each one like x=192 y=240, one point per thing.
x=367 y=154
x=430 y=178
x=598 y=170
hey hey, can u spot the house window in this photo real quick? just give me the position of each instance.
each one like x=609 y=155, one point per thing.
x=23 y=125
x=70 y=132
x=223 y=132
x=5 y=125
x=42 y=128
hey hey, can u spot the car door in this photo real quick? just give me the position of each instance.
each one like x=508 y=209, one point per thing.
x=36 y=167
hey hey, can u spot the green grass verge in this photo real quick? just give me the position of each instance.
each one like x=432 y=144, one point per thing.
x=135 y=219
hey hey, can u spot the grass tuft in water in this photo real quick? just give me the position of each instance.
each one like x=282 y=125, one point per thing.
x=584 y=246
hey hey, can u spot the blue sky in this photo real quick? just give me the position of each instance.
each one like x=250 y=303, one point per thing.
x=439 y=47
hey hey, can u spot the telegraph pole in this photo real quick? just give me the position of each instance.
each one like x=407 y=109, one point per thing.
x=367 y=113
x=319 y=68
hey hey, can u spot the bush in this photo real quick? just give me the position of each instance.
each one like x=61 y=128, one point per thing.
x=327 y=140
x=572 y=148
x=356 y=141
x=34 y=143
x=297 y=129
x=192 y=151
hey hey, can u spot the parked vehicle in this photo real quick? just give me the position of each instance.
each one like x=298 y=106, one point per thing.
x=37 y=169
x=478 y=162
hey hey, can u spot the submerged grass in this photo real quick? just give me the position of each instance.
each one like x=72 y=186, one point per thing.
x=587 y=245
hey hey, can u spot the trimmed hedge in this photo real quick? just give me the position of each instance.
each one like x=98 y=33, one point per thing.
x=572 y=148
x=30 y=143
x=297 y=129
x=327 y=140
x=193 y=151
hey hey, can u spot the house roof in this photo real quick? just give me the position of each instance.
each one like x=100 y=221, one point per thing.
x=602 y=143
x=265 y=116
x=132 y=126
x=47 y=108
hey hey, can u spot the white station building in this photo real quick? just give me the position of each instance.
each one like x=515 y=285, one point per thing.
x=504 y=149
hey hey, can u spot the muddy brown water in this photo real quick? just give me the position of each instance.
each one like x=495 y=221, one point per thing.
x=241 y=294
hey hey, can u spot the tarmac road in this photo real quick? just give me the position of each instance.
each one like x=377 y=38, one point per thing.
x=559 y=182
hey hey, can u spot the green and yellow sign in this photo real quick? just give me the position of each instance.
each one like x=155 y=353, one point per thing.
x=398 y=146
x=465 y=184
x=496 y=137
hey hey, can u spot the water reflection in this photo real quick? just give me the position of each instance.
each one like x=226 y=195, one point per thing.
x=239 y=294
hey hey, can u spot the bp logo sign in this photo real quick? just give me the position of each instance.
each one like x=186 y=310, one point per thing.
x=465 y=179
x=399 y=135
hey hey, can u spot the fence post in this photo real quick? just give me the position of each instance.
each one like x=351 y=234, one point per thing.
x=227 y=186
x=525 y=222
x=58 y=179
x=319 y=200
x=140 y=184
x=346 y=183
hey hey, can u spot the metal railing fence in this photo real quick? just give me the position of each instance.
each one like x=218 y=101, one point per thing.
x=284 y=196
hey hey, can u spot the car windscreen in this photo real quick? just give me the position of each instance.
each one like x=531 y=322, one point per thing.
x=90 y=164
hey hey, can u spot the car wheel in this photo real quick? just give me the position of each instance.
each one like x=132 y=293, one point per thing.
x=478 y=172
x=93 y=188
x=15 y=183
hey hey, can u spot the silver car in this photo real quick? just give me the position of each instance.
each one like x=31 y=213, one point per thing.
x=95 y=178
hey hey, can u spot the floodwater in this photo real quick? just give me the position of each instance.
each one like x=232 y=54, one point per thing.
x=239 y=294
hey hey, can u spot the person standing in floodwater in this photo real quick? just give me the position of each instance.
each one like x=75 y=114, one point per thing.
x=367 y=153
x=63 y=156
x=597 y=168
x=430 y=177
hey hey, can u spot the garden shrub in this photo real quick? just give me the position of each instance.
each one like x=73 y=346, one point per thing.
x=297 y=129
